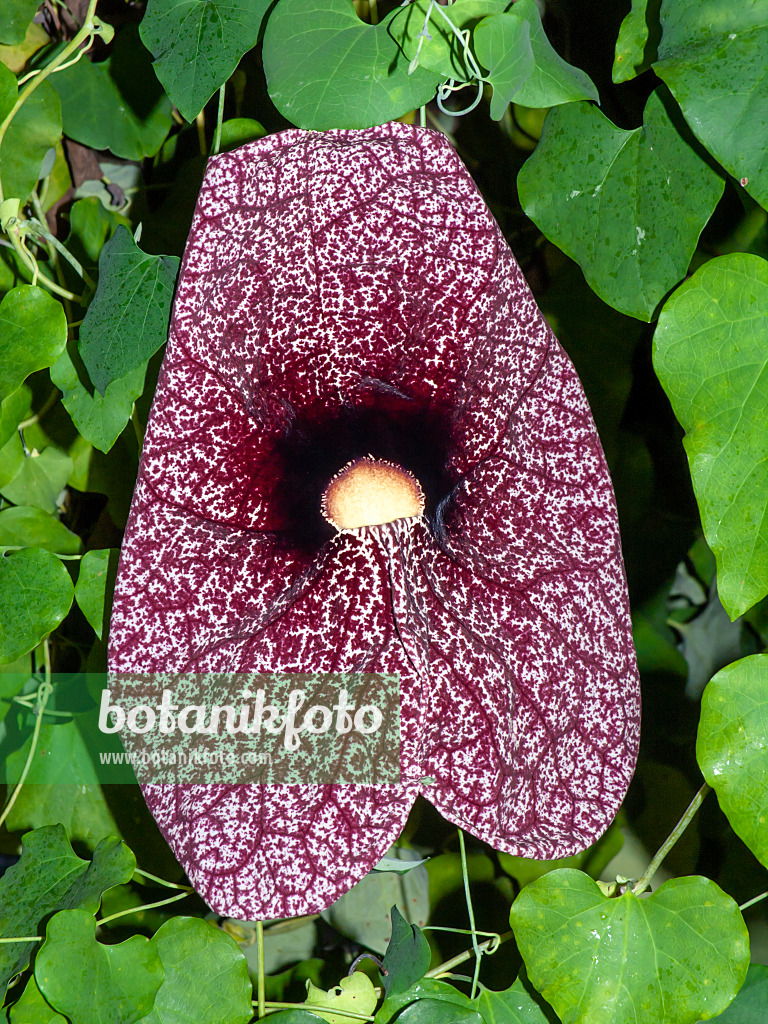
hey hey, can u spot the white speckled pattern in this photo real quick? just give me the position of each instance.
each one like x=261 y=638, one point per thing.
x=321 y=267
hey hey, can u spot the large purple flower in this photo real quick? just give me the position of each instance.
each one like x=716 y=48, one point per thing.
x=346 y=294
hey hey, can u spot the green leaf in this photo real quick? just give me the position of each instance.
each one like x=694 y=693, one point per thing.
x=239 y=130
x=127 y=321
x=426 y=988
x=503 y=45
x=352 y=75
x=99 y=418
x=12 y=412
x=514 y=1005
x=198 y=44
x=362 y=913
x=50 y=877
x=628 y=206
x=710 y=353
x=631 y=959
x=638 y=40
x=437 y=1011
x=26 y=526
x=33 y=1009
x=95 y=585
x=206 y=976
x=732 y=747
x=40 y=480
x=11 y=460
x=91 y=225
x=114 y=984
x=355 y=994
x=117 y=105
x=33 y=331
x=442 y=52
x=712 y=57
x=34 y=130
x=35 y=595
x=62 y=785
x=751 y=1004
x=553 y=81
x=407 y=957
x=15 y=17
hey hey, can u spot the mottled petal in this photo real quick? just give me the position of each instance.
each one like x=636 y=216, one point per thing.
x=344 y=294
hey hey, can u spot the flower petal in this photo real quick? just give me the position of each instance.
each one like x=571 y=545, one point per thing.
x=340 y=291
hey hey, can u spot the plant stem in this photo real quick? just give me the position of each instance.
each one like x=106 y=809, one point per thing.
x=488 y=947
x=755 y=899
x=24 y=938
x=312 y=1006
x=643 y=883
x=471 y=913
x=219 y=121
x=260 y=983
x=200 y=123
x=43 y=695
x=85 y=32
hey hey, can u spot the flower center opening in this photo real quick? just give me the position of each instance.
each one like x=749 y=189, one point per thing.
x=369 y=492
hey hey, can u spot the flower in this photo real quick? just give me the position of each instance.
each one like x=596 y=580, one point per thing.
x=348 y=296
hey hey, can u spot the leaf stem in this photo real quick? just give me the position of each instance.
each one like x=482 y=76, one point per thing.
x=644 y=883
x=162 y=881
x=85 y=33
x=24 y=938
x=144 y=906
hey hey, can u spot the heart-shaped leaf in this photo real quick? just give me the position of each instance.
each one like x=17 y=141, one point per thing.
x=515 y=1005
x=99 y=418
x=15 y=16
x=33 y=1009
x=35 y=594
x=33 y=332
x=35 y=129
x=94 y=587
x=354 y=993
x=503 y=45
x=751 y=1004
x=638 y=40
x=40 y=479
x=585 y=175
x=440 y=50
x=631 y=959
x=198 y=44
x=118 y=104
x=26 y=526
x=62 y=784
x=732 y=747
x=351 y=75
x=48 y=877
x=127 y=321
x=710 y=356
x=206 y=976
x=114 y=984
x=551 y=80
x=407 y=957
x=712 y=57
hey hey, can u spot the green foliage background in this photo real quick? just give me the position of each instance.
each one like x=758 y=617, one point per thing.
x=622 y=151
